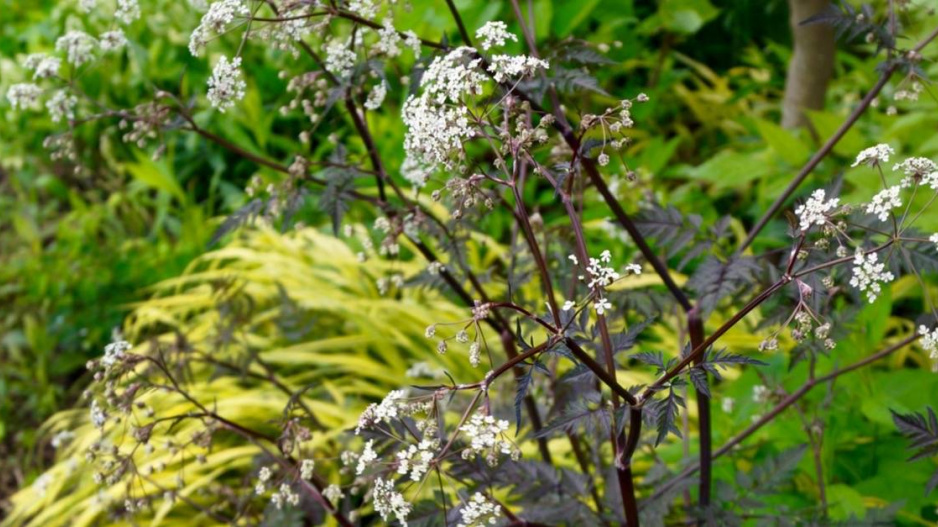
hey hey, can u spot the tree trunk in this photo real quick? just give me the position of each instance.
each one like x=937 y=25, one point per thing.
x=811 y=65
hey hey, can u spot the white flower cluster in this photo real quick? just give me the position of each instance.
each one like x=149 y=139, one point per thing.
x=919 y=170
x=929 y=341
x=815 y=210
x=263 y=476
x=874 y=155
x=417 y=458
x=24 y=95
x=365 y=8
x=61 y=438
x=600 y=276
x=485 y=436
x=916 y=166
x=333 y=493
x=285 y=496
x=505 y=67
x=78 y=47
x=114 y=352
x=307 y=466
x=127 y=11
x=760 y=394
x=113 y=40
x=478 y=512
x=390 y=503
x=884 y=201
x=61 y=105
x=43 y=66
x=389 y=408
x=376 y=96
x=216 y=20
x=226 y=85
x=368 y=456
x=494 y=34
x=869 y=274
x=437 y=120
x=389 y=42
x=98 y=415
x=340 y=60
x=475 y=354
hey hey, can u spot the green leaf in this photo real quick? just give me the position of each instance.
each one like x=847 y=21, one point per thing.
x=686 y=16
x=826 y=124
x=731 y=169
x=156 y=175
x=845 y=503
x=784 y=142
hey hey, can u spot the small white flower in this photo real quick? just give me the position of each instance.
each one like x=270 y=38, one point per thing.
x=43 y=66
x=929 y=341
x=389 y=42
x=368 y=455
x=333 y=493
x=306 y=469
x=815 y=210
x=916 y=166
x=114 y=352
x=412 y=41
x=98 y=416
x=869 y=274
x=485 y=436
x=874 y=155
x=727 y=404
x=568 y=305
x=602 y=305
x=61 y=105
x=388 y=409
x=883 y=202
x=434 y=268
x=127 y=11
x=416 y=459
x=934 y=239
x=390 y=503
x=475 y=354
x=505 y=67
x=479 y=512
x=78 y=46
x=24 y=95
x=226 y=86
x=494 y=34
x=216 y=20
x=760 y=393
x=113 y=40
x=376 y=96
x=340 y=60
x=61 y=438
x=603 y=159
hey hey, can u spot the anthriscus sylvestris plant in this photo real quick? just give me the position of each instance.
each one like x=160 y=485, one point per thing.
x=566 y=401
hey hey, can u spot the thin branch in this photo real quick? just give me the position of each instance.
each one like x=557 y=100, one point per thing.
x=780 y=407
x=829 y=145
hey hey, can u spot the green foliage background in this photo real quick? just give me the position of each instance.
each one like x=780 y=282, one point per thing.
x=78 y=254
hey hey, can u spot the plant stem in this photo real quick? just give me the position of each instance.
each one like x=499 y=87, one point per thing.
x=696 y=331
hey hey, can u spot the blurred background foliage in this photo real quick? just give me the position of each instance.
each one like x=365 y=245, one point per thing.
x=131 y=236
